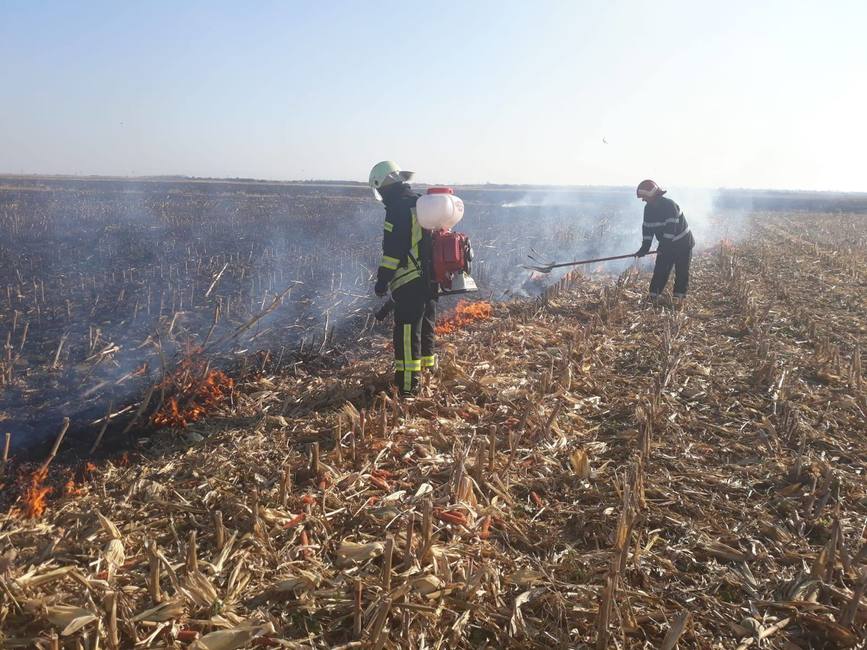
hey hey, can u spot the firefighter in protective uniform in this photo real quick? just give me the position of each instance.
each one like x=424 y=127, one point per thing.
x=405 y=270
x=664 y=220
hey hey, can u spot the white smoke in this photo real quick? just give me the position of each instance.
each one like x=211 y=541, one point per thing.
x=558 y=225
x=709 y=218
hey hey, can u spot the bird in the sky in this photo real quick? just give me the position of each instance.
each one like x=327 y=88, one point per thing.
x=604 y=141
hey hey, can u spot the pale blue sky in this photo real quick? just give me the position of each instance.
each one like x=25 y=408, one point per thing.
x=736 y=94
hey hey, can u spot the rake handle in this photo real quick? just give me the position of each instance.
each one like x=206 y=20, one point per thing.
x=597 y=259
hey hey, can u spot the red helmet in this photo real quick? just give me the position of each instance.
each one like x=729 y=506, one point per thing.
x=647 y=189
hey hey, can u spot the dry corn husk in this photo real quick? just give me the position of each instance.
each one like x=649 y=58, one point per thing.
x=199 y=590
x=69 y=617
x=427 y=584
x=304 y=581
x=114 y=553
x=356 y=553
x=580 y=463
x=525 y=577
x=163 y=612
x=109 y=526
x=33 y=579
x=230 y=639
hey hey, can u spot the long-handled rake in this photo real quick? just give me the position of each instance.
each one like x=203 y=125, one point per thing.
x=547 y=268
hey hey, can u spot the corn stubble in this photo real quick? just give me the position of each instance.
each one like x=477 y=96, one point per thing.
x=583 y=470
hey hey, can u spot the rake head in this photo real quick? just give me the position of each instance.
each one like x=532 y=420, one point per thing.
x=538 y=269
x=543 y=266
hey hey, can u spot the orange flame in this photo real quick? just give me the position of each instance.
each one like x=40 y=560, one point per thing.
x=195 y=391
x=465 y=314
x=34 y=495
x=70 y=489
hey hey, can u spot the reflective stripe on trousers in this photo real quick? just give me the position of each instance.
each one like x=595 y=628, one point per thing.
x=407 y=357
x=413 y=334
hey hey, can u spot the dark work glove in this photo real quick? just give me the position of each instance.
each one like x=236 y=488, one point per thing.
x=641 y=252
x=381 y=288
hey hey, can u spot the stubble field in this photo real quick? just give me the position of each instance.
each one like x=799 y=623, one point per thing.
x=583 y=470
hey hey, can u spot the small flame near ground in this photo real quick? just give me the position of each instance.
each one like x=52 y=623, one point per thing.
x=34 y=497
x=193 y=390
x=34 y=492
x=465 y=313
x=72 y=489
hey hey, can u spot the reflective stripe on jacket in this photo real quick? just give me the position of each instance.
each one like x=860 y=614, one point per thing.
x=402 y=249
x=664 y=220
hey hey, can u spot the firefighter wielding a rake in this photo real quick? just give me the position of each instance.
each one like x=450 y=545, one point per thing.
x=405 y=271
x=664 y=220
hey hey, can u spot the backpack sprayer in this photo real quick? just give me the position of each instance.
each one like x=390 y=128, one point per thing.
x=438 y=211
x=451 y=252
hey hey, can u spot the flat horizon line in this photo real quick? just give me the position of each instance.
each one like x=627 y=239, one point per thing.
x=180 y=178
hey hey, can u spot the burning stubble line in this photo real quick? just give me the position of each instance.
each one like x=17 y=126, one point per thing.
x=180 y=265
x=171 y=301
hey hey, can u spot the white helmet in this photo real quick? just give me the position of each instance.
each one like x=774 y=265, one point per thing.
x=384 y=174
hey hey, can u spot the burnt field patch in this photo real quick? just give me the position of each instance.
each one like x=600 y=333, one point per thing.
x=106 y=286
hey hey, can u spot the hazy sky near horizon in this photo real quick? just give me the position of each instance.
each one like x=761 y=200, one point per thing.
x=738 y=94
